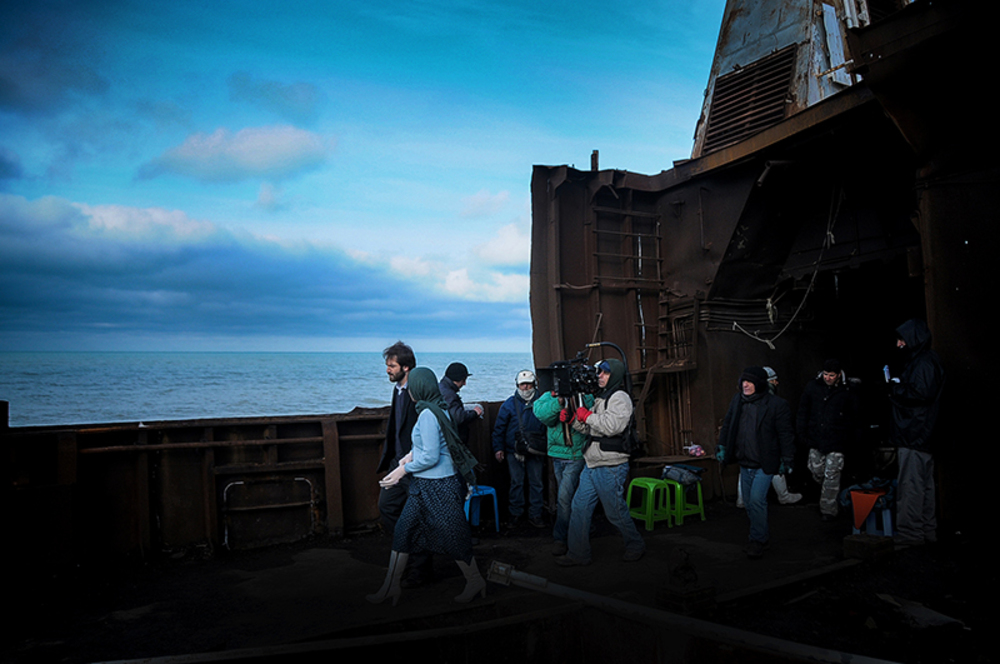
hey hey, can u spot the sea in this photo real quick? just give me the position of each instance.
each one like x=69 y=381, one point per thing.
x=63 y=388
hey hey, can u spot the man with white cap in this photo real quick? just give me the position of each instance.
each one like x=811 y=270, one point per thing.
x=520 y=438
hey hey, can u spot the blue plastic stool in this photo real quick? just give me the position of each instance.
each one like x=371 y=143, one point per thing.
x=682 y=507
x=473 y=501
x=871 y=526
x=655 y=501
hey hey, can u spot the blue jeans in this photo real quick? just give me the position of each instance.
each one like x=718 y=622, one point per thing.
x=755 y=484
x=567 y=479
x=531 y=469
x=607 y=484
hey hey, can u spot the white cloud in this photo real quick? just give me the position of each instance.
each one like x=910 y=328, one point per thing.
x=144 y=223
x=275 y=152
x=411 y=267
x=508 y=288
x=483 y=204
x=510 y=246
x=499 y=288
x=458 y=283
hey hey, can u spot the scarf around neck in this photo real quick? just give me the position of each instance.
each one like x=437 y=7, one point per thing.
x=423 y=387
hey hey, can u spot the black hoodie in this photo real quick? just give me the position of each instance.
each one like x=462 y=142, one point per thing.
x=916 y=398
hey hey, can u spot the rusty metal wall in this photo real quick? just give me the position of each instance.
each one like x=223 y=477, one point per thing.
x=111 y=490
x=737 y=247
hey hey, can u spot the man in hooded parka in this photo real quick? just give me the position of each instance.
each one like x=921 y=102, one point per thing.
x=606 y=468
x=916 y=402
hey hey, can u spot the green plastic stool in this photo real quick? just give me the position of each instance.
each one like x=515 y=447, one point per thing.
x=682 y=507
x=655 y=501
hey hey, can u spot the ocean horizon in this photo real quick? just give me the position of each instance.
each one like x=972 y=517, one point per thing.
x=88 y=387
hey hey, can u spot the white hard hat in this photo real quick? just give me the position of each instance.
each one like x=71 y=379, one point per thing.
x=524 y=377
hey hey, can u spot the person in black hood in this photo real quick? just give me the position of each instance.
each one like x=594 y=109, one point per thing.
x=916 y=401
x=757 y=433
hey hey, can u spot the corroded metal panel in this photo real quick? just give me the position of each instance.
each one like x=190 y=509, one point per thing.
x=235 y=482
x=774 y=59
x=732 y=252
x=94 y=490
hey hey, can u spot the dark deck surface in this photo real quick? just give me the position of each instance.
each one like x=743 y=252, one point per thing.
x=802 y=590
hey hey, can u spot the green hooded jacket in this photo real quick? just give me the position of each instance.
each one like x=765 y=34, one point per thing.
x=546 y=409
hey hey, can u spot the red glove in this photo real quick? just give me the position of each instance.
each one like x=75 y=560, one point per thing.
x=582 y=414
x=565 y=415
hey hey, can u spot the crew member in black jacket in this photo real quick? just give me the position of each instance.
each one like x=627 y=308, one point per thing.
x=827 y=422
x=757 y=433
x=916 y=401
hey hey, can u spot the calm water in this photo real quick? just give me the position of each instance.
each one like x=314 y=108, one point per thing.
x=75 y=388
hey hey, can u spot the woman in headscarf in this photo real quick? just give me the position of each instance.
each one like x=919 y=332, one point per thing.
x=433 y=518
x=603 y=478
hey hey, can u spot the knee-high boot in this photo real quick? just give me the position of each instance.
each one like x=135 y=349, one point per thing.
x=390 y=587
x=474 y=582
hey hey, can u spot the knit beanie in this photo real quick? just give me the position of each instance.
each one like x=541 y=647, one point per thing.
x=757 y=376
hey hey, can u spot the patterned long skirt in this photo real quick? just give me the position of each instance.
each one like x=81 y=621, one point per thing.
x=433 y=519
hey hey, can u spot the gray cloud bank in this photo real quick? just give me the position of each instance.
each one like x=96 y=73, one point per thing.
x=123 y=274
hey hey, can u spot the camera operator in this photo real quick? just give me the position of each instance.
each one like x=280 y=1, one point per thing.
x=566 y=450
x=606 y=467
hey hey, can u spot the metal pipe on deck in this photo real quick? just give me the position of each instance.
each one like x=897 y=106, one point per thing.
x=781 y=649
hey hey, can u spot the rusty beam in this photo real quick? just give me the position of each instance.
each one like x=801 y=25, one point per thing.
x=333 y=484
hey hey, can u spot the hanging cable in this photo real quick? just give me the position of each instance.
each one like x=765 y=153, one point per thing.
x=828 y=240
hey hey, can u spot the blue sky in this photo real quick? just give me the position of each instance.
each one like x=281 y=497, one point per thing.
x=312 y=176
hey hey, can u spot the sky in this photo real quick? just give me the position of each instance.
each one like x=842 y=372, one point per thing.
x=312 y=176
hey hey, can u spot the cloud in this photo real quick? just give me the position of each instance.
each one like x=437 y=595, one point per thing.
x=470 y=284
x=483 y=204
x=119 y=275
x=511 y=246
x=494 y=287
x=410 y=266
x=295 y=102
x=129 y=224
x=274 y=152
x=269 y=198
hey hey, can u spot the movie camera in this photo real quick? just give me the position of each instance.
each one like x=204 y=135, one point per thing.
x=568 y=378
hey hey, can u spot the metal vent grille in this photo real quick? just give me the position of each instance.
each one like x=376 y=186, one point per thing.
x=749 y=100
